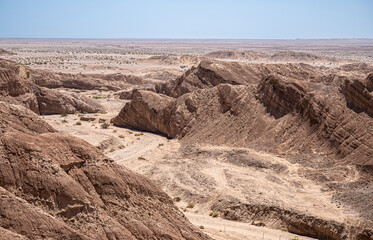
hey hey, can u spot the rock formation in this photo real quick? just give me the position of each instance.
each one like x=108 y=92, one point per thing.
x=238 y=55
x=84 y=81
x=17 y=86
x=209 y=74
x=212 y=73
x=357 y=67
x=290 y=109
x=359 y=94
x=57 y=186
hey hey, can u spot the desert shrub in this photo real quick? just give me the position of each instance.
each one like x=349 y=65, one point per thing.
x=160 y=145
x=258 y=223
x=141 y=158
x=63 y=114
x=214 y=214
x=190 y=205
x=121 y=136
x=177 y=199
x=294 y=238
x=139 y=134
x=201 y=227
x=105 y=125
x=78 y=123
x=121 y=146
x=64 y=121
x=98 y=97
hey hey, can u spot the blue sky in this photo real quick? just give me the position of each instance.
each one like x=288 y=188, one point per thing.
x=226 y=19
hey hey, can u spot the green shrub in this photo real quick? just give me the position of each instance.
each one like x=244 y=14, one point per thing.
x=201 y=227
x=177 y=199
x=63 y=114
x=105 y=125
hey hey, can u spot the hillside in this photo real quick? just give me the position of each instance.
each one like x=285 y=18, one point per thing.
x=56 y=186
x=308 y=116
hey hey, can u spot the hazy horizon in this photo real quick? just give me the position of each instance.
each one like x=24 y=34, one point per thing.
x=219 y=19
x=149 y=38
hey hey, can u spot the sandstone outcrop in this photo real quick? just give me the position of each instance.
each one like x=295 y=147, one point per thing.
x=57 y=186
x=17 y=86
x=18 y=118
x=294 y=222
x=212 y=73
x=357 y=67
x=359 y=94
x=150 y=106
x=55 y=102
x=209 y=74
x=126 y=94
x=204 y=114
x=292 y=110
x=83 y=81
